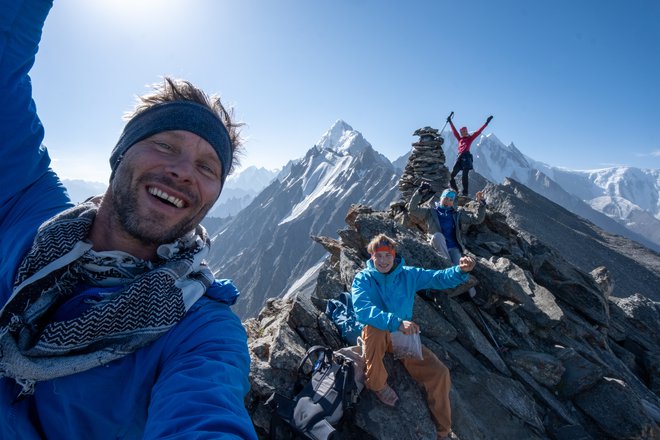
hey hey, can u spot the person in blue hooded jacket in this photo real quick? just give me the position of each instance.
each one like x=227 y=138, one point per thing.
x=383 y=295
x=112 y=325
x=446 y=223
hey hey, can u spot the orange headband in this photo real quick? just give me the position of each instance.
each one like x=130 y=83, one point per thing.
x=385 y=248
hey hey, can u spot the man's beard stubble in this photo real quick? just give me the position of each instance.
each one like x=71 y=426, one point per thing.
x=149 y=231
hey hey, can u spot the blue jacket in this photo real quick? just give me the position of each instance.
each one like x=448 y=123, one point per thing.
x=188 y=384
x=463 y=218
x=384 y=300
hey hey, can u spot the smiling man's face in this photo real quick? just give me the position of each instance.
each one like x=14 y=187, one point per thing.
x=165 y=185
x=383 y=261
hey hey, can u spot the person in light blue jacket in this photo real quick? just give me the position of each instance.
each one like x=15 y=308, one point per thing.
x=383 y=295
x=112 y=325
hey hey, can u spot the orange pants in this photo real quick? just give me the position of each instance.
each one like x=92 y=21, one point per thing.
x=430 y=372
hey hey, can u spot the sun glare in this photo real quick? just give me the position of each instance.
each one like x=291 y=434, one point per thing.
x=146 y=13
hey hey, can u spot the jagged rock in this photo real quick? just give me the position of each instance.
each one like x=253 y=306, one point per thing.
x=480 y=404
x=330 y=245
x=435 y=326
x=633 y=268
x=579 y=373
x=515 y=321
x=383 y=422
x=504 y=279
x=489 y=325
x=546 y=397
x=617 y=411
x=652 y=365
x=349 y=264
x=603 y=280
x=470 y=335
x=351 y=239
x=642 y=320
x=573 y=289
x=529 y=363
x=354 y=211
x=543 y=367
x=328 y=284
x=516 y=399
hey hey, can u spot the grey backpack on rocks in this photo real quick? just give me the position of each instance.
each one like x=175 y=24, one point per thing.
x=321 y=397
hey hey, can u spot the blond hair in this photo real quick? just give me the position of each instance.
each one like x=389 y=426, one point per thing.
x=380 y=240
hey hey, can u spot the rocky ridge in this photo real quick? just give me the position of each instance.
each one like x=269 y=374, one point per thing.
x=548 y=354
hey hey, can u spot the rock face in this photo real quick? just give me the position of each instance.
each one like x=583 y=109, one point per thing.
x=633 y=268
x=547 y=354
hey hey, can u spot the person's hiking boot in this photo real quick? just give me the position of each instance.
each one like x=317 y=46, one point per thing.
x=388 y=396
x=450 y=436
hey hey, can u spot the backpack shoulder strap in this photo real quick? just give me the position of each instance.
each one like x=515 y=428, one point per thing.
x=317 y=351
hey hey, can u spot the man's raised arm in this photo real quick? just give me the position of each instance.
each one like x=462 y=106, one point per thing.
x=30 y=192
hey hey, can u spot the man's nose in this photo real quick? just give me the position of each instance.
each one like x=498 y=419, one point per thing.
x=182 y=168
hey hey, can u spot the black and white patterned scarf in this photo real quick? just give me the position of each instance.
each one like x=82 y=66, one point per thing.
x=34 y=347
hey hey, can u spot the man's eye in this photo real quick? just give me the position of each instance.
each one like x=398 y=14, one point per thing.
x=208 y=170
x=163 y=146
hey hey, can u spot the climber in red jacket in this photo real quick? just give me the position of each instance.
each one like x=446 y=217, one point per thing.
x=464 y=159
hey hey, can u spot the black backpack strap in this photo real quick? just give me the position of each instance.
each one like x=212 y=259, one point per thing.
x=281 y=409
x=315 y=350
x=315 y=354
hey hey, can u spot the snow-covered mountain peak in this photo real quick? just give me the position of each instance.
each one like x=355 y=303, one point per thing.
x=333 y=137
x=251 y=178
x=343 y=139
x=492 y=139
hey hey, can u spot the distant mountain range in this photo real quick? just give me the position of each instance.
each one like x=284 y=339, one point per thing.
x=81 y=190
x=621 y=200
x=625 y=195
x=240 y=189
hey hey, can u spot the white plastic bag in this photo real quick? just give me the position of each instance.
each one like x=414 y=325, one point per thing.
x=406 y=346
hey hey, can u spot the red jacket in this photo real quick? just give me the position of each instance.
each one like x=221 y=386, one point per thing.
x=465 y=141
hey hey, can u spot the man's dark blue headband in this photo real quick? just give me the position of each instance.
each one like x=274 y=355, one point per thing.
x=176 y=115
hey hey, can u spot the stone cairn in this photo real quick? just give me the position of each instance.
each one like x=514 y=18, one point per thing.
x=426 y=163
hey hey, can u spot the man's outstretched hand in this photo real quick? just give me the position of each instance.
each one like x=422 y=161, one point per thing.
x=490 y=118
x=466 y=264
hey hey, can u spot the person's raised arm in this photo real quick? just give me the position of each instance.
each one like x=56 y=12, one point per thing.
x=478 y=132
x=439 y=279
x=31 y=192
x=453 y=129
x=21 y=132
x=415 y=200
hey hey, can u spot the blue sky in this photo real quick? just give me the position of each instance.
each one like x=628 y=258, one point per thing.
x=570 y=83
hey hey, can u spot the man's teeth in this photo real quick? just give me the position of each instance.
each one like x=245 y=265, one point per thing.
x=163 y=195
